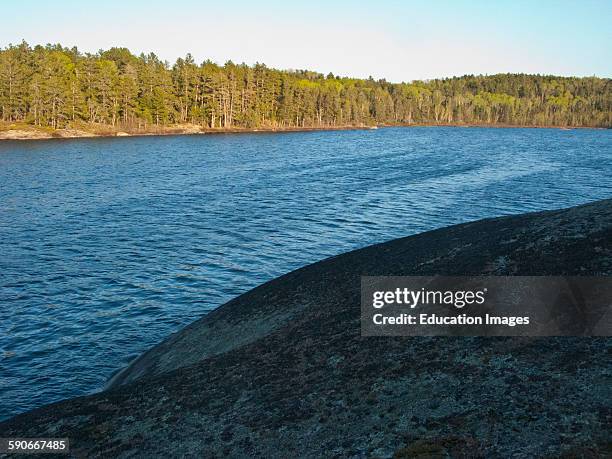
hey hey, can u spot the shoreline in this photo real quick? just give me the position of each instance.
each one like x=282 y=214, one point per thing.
x=285 y=363
x=41 y=134
x=32 y=133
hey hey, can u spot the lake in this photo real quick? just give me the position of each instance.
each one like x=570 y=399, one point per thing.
x=109 y=245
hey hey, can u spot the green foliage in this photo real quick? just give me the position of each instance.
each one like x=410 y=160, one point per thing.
x=55 y=87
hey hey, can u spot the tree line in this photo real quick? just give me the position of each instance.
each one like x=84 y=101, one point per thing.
x=58 y=87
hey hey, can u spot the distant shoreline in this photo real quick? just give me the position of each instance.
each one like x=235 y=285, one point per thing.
x=33 y=133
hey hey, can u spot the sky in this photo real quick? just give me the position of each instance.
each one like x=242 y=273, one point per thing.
x=395 y=40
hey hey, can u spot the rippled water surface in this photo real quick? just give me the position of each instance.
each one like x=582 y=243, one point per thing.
x=109 y=245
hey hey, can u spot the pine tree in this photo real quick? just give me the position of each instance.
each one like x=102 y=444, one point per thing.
x=56 y=87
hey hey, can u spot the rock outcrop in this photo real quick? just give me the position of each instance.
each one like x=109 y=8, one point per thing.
x=282 y=370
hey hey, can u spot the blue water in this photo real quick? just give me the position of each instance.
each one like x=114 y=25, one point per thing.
x=109 y=245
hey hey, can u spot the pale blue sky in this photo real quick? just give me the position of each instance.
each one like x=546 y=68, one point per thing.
x=397 y=40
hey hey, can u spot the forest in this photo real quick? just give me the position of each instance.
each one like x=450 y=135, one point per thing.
x=56 y=87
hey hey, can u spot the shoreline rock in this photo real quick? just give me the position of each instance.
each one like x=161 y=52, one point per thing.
x=31 y=133
x=282 y=371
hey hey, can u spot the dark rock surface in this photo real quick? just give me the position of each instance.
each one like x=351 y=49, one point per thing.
x=282 y=370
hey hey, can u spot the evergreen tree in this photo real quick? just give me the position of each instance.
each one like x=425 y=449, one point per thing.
x=58 y=87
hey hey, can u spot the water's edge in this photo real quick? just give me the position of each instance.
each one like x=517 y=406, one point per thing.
x=288 y=384
x=44 y=134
